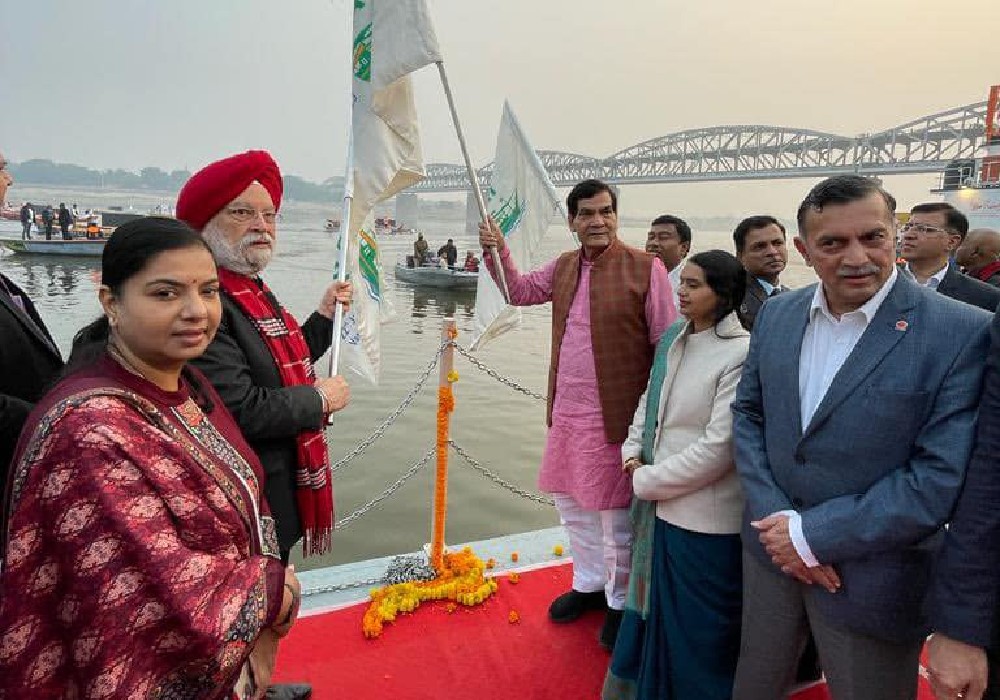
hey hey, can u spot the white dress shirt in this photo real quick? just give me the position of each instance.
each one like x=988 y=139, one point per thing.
x=675 y=282
x=934 y=280
x=826 y=345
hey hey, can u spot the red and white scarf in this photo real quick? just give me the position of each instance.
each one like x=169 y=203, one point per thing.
x=283 y=337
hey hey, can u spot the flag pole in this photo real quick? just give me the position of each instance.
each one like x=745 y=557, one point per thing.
x=473 y=180
x=345 y=217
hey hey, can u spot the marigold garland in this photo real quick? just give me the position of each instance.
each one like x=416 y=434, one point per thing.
x=446 y=404
x=460 y=579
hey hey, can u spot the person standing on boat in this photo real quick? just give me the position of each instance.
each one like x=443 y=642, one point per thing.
x=852 y=428
x=137 y=557
x=450 y=253
x=760 y=247
x=261 y=360
x=610 y=304
x=669 y=239
x=65 y=221
x=29 y=358
x=27 y=216
x=471 y=262
x=680 y=636
x=979 y=255
x=48 y=218
x=420 y=249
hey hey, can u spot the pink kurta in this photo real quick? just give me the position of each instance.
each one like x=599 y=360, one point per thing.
x=578 y=459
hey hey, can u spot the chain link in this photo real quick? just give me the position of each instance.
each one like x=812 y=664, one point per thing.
x=337 y=587
x=360 y=448
x=478 y=364
x=389 y=490
x=497 y=479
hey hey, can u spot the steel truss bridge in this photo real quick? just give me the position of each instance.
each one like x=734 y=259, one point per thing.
x=757 y=152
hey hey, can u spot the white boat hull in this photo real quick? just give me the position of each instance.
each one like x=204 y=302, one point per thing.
x=438 y=277
x=56 y=247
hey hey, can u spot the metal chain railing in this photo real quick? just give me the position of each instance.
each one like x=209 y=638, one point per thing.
x=497 y=479
x=360 y=448
x=480 y=365
x=389 y=490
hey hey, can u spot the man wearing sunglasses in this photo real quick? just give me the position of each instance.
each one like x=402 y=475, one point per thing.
x=930 y=238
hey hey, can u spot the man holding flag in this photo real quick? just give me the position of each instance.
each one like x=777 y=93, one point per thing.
x=610 y=304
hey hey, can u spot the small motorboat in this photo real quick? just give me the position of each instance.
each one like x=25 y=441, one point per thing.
x=434 y=276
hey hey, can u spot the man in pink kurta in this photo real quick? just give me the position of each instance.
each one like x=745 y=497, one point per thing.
x=581 y=467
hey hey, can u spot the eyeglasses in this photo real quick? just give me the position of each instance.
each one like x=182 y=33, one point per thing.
x=921 y=229
x=245 y=214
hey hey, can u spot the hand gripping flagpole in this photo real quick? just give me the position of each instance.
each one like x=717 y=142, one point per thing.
x=473 y=180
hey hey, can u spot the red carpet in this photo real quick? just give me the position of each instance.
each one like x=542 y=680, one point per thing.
x=470 y=654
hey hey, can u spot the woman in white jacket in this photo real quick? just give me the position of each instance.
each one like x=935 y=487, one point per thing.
x=680 y=633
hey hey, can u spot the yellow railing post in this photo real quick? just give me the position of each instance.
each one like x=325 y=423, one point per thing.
x=446 y=404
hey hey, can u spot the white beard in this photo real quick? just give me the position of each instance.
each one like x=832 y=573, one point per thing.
x=238 y=257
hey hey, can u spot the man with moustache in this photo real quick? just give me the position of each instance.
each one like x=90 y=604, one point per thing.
x=930 y=237
x=610 y=303
x=261 y=360
x=979 y=255
x=852 y=428
x=760 y=247
x=29 y=358
x=669 y=239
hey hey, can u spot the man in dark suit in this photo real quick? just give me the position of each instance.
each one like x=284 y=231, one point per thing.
x=760 y=247
x=853 y=424
x=29 y=359
x=963 y=603
x=931 y=236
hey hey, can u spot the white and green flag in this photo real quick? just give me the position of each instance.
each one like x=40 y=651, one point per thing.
x=522 y=200
x=392 y=38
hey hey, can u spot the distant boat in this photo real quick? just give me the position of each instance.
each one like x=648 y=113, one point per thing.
x=438 y=277
x=80 y=247
x=333 y=224
x=88 y=236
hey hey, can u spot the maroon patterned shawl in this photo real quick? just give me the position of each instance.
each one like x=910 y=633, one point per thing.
x=136 y=562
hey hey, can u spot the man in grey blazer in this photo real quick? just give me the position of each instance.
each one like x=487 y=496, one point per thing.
x=852 y=428
x=931 y=236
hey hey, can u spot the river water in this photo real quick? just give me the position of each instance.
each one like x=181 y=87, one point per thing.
x=497 y=426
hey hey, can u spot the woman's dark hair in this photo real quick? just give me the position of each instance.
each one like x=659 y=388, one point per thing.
x=727 y=278
x=128 y=251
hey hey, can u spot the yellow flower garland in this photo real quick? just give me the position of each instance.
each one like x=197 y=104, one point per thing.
x=460 y=579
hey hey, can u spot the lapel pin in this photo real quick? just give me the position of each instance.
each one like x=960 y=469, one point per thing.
x=901 y=325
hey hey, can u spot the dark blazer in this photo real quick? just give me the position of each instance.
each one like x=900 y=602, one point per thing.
x=244 y=373
x=963 y=601
x=29 y=362
x=876 y=473
x=970 y=290
x=753 y=299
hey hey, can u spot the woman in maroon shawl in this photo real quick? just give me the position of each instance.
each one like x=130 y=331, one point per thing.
x=138 y=558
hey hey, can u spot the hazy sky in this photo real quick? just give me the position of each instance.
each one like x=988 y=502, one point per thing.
x=177 y=83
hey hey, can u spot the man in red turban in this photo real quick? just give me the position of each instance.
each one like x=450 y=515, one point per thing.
x=261 y=360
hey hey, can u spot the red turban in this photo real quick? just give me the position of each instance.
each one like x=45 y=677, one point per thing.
x=219 y=183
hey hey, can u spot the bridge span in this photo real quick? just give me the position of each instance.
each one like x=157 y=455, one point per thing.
x=756 y=152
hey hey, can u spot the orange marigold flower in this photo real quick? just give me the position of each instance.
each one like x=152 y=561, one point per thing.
x=450 y=608
x=513 y=556
x=557 y=550
x=513 y=618
x=490 y=563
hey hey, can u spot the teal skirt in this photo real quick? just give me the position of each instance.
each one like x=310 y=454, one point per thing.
x=688 y=644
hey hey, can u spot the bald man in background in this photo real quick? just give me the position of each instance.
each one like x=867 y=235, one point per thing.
x=979 y=255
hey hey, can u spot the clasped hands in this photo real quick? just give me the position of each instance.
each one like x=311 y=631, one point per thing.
x=777 y=540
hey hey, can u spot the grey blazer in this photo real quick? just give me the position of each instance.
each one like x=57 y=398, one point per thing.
x=970 y=290
x=752 y=301
x=877 y=471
